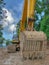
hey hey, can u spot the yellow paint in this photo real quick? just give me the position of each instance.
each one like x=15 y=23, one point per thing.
x=15 y=41
x=31 y=11
x=31 y=4
x=28 y=12
x=24 y=16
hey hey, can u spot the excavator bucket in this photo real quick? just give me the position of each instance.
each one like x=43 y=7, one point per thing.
x=33 y=44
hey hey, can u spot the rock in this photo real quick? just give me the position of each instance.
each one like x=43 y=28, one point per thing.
x=12 y=48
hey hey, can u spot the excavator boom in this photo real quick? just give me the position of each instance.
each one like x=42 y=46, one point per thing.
x=31 y=8
x=24 y=16
x=28 y=12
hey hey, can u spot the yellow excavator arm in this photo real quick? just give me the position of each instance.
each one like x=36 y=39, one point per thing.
x=31 y=7
x=28 y=12
x=24 y=16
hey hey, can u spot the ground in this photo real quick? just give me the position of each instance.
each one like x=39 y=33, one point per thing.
x=16 y=59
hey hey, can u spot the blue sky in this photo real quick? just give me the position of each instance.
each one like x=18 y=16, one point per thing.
x=14 y=12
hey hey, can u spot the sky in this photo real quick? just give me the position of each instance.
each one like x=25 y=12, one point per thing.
x=13 y=10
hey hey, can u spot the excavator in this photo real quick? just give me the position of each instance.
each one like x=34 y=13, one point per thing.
x=32 y=43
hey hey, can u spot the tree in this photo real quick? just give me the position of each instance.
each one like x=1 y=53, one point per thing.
x=8 y=42
x=45 y=26
x=37 y=26
x=41 y=10
x=42 y=6
x=1 y=17
x=1 y=10
x=18 y=28
x=1 y=34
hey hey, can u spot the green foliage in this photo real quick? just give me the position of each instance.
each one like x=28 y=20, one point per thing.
x=37 y=26
x=1 y=12
x=1 y=17
x=43 y=23
x=39 y=7
x=1 y=34
x=18 y=28
x=8 y=42
x=45 y=26
x=25 y=23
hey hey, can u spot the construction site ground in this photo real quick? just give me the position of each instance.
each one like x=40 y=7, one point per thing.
x=16 y=59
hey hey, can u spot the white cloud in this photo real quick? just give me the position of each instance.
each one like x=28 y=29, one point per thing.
x=9 y=18
x=12 y=28
x=5 y=24
x=8 y=25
